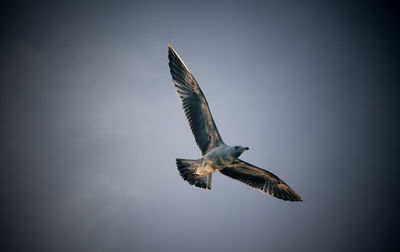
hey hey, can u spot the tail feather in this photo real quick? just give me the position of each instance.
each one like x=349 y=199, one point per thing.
x=187 y=169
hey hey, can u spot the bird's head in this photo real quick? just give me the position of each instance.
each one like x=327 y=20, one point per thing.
x=237 y=150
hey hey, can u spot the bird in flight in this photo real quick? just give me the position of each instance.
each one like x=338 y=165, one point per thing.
x=216 y=155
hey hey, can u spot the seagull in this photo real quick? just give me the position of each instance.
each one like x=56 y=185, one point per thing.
x=216 y=155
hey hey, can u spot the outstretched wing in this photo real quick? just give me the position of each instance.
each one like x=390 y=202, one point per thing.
x=260 y=179
x=194 y=104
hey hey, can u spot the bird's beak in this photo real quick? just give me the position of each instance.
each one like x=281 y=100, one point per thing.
x=245 y=148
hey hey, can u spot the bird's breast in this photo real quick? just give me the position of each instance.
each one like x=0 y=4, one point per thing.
x=207 y=166
x=214 y=161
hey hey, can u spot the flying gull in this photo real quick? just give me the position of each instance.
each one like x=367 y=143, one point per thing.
x=217 y=156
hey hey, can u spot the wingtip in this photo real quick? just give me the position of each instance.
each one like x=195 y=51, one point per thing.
x=170 y=48
x=293 y=199
x=172 y=53
x=299 y=198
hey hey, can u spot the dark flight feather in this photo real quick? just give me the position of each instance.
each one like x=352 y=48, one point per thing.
x=260 y=179
x=194 y=104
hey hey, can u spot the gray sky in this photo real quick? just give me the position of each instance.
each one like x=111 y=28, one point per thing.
x=91 y=125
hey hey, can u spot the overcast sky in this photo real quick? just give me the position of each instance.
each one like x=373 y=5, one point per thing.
x=90 y=125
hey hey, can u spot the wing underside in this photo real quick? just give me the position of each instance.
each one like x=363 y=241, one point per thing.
x=194 y=104
x=260 y=179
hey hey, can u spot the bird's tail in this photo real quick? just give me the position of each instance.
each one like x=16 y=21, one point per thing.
x=187 y=169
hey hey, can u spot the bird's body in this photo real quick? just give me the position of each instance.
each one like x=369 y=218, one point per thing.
x=216 y=155
x=217 y=159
